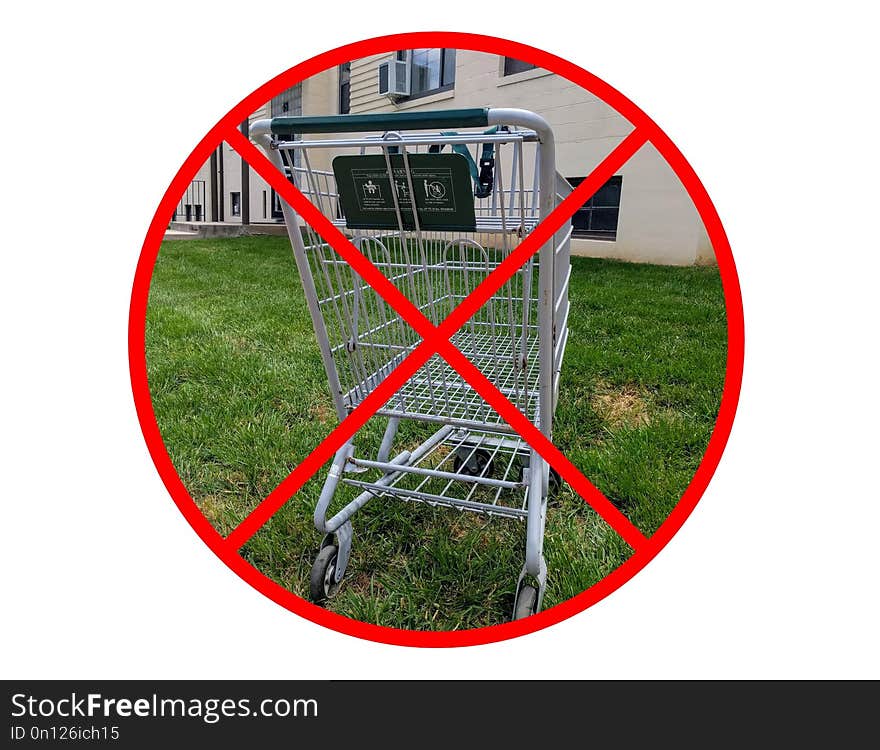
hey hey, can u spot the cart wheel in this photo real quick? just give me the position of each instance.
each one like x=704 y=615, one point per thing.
x=322 y=584
x=472 y=463
x=554 y=483
x=526 y=603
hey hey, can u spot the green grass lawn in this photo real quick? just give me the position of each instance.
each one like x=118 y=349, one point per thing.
x=241 y=397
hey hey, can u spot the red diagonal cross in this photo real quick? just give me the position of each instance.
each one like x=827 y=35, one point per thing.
x=435 y=339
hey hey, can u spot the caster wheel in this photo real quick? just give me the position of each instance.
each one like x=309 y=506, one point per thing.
x=322 y=584
x=554 y=483
x=472 y=463
x=526 y=603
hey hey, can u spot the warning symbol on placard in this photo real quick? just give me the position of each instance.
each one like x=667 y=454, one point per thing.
x=371 y=189
x=402 y=190
x=435 y=190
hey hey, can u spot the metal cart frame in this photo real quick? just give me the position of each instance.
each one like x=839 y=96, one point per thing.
x=474 y=461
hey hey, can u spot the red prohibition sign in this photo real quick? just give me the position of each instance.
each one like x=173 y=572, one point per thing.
x=436 y=340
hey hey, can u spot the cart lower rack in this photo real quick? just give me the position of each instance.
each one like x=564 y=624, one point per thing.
x=435 y=201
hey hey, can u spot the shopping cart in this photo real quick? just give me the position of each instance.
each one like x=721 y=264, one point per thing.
x=435 y=205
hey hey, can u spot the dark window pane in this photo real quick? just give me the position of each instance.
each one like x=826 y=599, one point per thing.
x=431 y=70
x=608 y=194
x=425 y=70
x=512 y=66
x=597 y=218
x=448 y=67
x=344 y=88
x=580 y=220
x=604 y=220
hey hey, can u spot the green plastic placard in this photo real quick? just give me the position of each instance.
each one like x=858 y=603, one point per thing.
x=441 y=185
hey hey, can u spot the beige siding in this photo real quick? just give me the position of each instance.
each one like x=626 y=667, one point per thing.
x=658 y=222
x=321 y=97
x=364 y=85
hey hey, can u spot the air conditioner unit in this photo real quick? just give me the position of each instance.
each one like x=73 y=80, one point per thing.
x=394 y=77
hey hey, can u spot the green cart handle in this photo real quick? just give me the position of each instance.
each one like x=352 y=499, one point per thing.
x=444 y=118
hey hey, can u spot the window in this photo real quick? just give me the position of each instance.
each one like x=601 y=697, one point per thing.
x=235 y=200
x=597 y=218
x=431 y=71
x=345 y=88
x=287 y=102
x=277 y=212
x=512 y=66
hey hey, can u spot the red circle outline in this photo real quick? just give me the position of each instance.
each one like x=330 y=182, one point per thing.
x=714 y=449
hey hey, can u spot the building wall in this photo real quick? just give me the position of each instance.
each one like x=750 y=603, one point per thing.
x=321 y=97
x=202 y=176
x=260 y=192
x=231 y=164
x=657 y=223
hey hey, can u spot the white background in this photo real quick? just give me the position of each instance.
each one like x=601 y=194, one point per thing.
x=774 y=574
